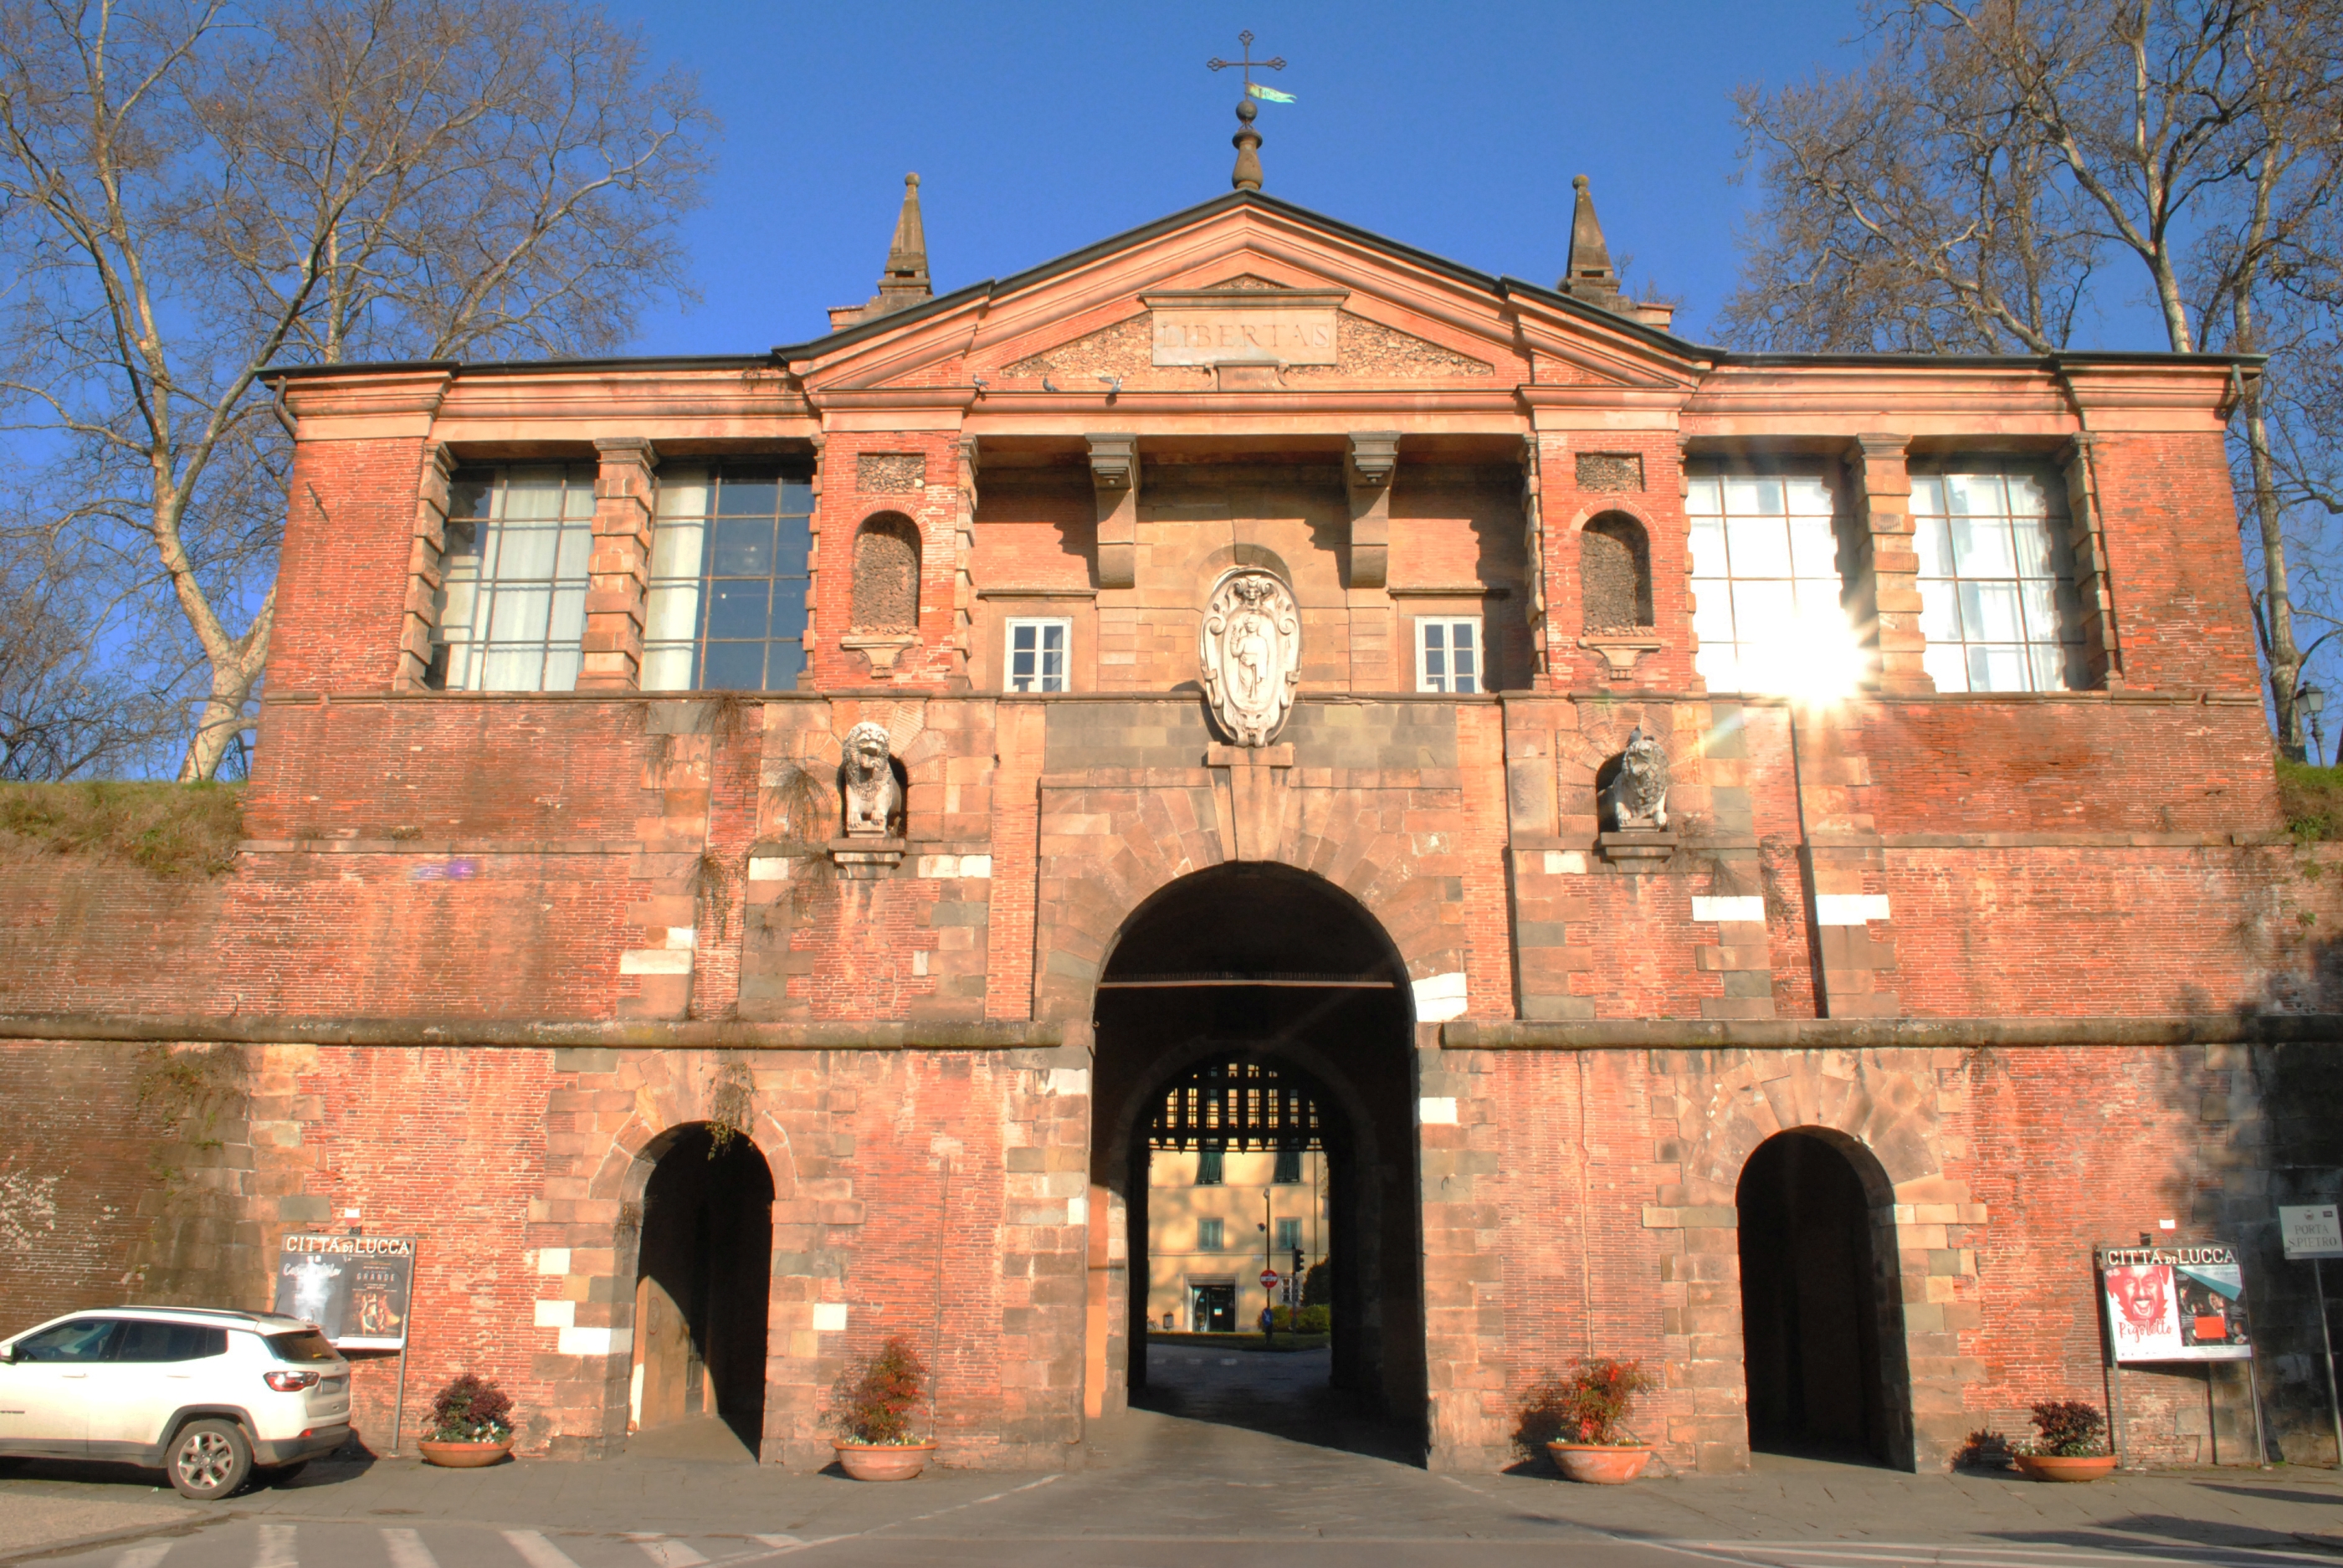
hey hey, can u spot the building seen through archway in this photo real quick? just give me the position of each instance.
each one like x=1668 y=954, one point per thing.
x=1256 y=1015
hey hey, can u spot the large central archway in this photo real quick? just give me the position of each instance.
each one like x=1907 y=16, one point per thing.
x=1263 y=964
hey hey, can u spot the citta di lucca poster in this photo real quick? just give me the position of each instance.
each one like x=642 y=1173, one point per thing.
x=2176 y=1303
x=356 y=1289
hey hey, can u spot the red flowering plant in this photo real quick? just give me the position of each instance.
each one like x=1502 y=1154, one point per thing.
x=1589 y=1406
x=873 y=1405
x=2067 y=1429
x=471 y=1409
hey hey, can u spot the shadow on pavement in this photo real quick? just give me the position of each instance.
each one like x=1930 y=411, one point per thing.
x=2274 y=1493
x=2174 y=1535
x=1286 y=1394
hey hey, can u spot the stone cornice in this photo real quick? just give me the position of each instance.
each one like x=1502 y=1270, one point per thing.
x=637 y=1034
x=1898 y=1033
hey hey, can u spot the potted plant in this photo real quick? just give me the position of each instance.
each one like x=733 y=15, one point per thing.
x=2070 y=1442
x=471 y=1425
x=873 y=1415
x=1580 y=1419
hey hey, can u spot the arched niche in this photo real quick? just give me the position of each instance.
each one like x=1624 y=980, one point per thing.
x=1615 y=574
x=886 y=574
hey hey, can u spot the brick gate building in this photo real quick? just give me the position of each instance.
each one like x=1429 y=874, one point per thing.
x=1245 y=642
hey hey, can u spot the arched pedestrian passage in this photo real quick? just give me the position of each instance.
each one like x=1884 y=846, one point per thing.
x=1822 y=1316
x=703 y=1290
x=1265 y=987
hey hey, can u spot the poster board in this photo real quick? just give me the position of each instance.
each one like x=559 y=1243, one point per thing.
x=358 y=1290
x=2311 y=1231
x=2176 y=1303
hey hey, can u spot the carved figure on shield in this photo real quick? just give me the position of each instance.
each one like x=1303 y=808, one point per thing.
x=1250 y=646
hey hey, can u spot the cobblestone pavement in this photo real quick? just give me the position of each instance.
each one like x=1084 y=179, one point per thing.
x=1155 y=1490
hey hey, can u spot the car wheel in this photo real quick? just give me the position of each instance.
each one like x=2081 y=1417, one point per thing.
x=209 y=1461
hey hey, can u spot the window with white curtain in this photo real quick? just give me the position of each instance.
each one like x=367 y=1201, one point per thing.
x=1997 y=602
x=1768 y=611
x=727 y=604
x=1036 y=653
x=512 y=601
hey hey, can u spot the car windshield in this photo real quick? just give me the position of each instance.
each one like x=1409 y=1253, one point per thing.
x=305 y=1345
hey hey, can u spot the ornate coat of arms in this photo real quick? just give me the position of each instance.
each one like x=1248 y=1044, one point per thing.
x=1251 y=643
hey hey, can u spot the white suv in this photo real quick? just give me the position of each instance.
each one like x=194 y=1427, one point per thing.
x=205 y=1395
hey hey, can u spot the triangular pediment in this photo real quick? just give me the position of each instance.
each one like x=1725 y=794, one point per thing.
x=1364 y=313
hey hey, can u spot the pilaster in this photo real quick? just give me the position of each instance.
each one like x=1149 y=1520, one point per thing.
x=424 y=571
x=2103 y=648
x=618 y=571
x=1887 y=591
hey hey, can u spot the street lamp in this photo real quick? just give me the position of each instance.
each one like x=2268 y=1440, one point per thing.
x=2314 y=703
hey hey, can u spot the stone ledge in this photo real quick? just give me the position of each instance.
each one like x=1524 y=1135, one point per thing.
x=650 y=1034
x=1887 y=1033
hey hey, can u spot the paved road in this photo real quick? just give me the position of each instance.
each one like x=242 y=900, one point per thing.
x=1164 y=1491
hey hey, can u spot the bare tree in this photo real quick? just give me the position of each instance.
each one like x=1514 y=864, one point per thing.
x=1997 y=153
x=191 y=191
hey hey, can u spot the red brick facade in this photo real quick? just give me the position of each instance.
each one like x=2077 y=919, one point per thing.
x=2044 y=970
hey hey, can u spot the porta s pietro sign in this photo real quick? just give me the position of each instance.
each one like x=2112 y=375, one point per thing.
x=2311 y=1231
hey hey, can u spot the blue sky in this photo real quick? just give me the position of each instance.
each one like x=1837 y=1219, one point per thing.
x=1039 y=127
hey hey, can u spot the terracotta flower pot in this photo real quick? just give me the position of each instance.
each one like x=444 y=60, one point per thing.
x=463 y=1455
x=882 y=1461
x=2065 y=1467
x=1601 y=1463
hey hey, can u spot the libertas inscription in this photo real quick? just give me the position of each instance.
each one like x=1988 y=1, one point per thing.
x=1244 y=326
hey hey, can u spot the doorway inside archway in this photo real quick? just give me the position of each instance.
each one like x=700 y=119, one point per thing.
x=1254 y=1032
x=702 y=1292
x=1821 y=1307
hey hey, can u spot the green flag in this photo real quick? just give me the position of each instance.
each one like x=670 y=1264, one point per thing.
x=1268 y=94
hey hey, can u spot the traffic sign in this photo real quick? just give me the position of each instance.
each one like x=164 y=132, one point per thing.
x=1268 y=1279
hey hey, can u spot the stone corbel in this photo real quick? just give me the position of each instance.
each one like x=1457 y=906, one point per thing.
x=1374 y=460
x=1255 y=825
x=1620 y=654
x=881 y=649
x=1114 y=474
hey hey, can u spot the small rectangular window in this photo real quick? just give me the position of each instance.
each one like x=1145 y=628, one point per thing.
x=512 y=599
x=1448 y=654
x=1997 y=601
x=1288 y=1235
x=1289 y=1167
x=1036 y=654
x=1207 y=1168
x=1210 y=1235
x=726 y=609
x=1769 y=612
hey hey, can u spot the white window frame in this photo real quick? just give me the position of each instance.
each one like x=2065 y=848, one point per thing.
x=1738 y=631
x=495 y=615
x=1480 y=677
x=2031 y=579
x=1041 y=624
x=1212 y=1235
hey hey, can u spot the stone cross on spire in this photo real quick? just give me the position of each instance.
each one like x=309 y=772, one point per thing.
x=904 y=283
x=1247 y=141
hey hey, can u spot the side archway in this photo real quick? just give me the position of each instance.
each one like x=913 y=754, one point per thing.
x=1822 y=1307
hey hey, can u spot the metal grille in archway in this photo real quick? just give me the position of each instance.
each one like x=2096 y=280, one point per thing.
x=1235 y=1104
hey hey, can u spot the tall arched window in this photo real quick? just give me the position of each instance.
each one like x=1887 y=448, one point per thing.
x=1615 y=574
x=886 y=574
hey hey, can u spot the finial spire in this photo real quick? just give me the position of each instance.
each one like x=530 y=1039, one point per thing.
x=1588 y=275
x=1247 y=141
x=905 y=281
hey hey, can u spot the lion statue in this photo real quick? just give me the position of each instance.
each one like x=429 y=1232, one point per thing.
x=1638 y=795
x=873 y=799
